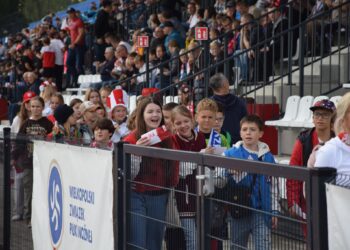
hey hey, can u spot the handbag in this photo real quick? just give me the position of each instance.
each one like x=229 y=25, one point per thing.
x=172 y=217
x=240 y=195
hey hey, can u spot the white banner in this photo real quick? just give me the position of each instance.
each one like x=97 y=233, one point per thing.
x=72 y=197
x=338 y=203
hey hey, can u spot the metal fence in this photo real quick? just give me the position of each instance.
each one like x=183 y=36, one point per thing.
x=218 y=203
x=166 y=199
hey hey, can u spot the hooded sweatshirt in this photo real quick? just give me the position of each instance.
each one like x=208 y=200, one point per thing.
x=234 y=110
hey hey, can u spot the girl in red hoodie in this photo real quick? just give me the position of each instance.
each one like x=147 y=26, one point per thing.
x=154 y=177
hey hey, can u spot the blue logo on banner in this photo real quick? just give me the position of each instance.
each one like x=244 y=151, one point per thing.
x=55 y=205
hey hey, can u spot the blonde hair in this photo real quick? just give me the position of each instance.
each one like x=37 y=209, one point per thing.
x=181 y=110
x=207 y=104
x=89 y=92
x=342 y=108
x=48 y=92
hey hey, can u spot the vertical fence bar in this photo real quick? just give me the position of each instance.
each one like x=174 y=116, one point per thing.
x=7 y=189
x=199 y=212
x=319 y=229
x=126 y=198
x=301 y=60
x=118 y=212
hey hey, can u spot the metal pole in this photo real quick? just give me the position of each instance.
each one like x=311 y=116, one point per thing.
x=147 y=67
x=301 y=60
x=318 y=219
x=7 y=189
x=118 y=212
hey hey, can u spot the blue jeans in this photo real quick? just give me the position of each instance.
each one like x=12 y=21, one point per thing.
x=75 y=62
x=241 y=61
x=189 y=225
x=254 y=224
x=147 y=220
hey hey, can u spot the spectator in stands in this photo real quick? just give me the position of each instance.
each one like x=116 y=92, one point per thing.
x=163 y=79
x=226 y=29
x=279 y=45
x=103 y=130
x=18 y=121
x=167 y=109
x=234 y=43
x=115 y=41
x=118 y=104
x=58 y=46
x=76 y=47
x=219 y=121
x=104 y=93
x=150 y=201
x=55 y=101
x=173 y=48
x=100 y=110
x=205 y=117
x=183 y=64
x=47 y=54
x=101 y=27
x=216 y=56
x=323 y=119
x=336 y=152
x=234 y=108
x=75 y=104
x=89 y=117
x=46 y=94
x=37 y=127
x=105 y=68
x=158 y=38
x=220 y=6
x=185 y=97
x=92 y=95
x=192 y=12
x=231 y=10
x=186 y=138
x=64 y=129
x=171 y=34
x=262 y=191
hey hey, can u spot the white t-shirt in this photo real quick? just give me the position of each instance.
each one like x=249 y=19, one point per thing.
x=335 y=154
x=57 y=45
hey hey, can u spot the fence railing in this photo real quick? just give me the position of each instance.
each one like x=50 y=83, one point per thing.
x=202 y=200
x=201 y=189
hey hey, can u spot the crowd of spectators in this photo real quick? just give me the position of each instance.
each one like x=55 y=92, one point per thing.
x=59 y=50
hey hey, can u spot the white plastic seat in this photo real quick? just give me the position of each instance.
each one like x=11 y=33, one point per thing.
x=290 y=114
x=169 y=98
x=176 y=99
x=132 y=103
x=336 y=99
x=309 y=123
x=66 y=99
x=304 y=112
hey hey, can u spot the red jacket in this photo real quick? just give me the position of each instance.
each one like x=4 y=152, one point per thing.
x=157 y=173
x=295 y=192
x=186 y=199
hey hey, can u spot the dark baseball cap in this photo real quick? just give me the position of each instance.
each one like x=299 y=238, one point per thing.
x=324 y=104
x=230 y=4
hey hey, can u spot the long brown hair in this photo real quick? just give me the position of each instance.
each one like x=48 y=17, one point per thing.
x=23 y=113
x=140 y=121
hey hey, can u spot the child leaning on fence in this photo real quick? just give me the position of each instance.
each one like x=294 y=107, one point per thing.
x=258 y=192
x=154 y=177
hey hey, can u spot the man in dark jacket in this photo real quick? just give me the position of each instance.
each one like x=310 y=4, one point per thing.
x=101 y=27
x=234 y=107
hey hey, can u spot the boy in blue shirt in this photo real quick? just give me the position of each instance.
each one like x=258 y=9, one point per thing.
x=261 y=191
